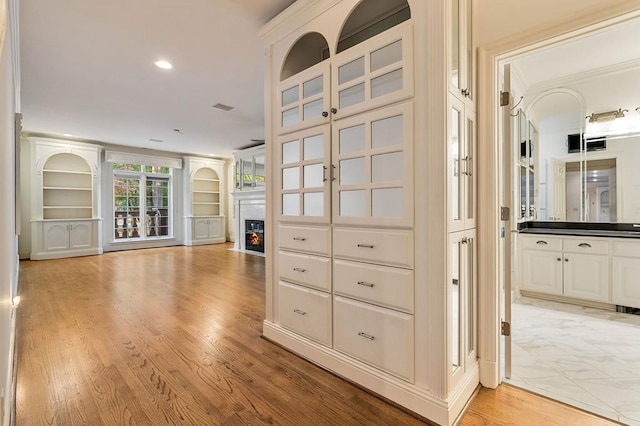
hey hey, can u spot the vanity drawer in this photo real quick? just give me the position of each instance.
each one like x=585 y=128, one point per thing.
x=307 y=239
x=381 y=285
x=305 y=269
x=393 y=248
x=626 y=248
x=378 y=336
x=586 y=245
x=305 y=311
x=541 y=242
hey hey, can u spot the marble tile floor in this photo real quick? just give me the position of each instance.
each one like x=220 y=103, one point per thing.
x=585 y=357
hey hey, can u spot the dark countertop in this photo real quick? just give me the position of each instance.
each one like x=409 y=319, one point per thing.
x=615 y=230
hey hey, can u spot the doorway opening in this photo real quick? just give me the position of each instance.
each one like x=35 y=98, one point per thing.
x=581 y=352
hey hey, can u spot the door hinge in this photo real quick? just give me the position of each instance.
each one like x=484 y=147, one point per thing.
x=504 y=213
x=504 y=98
x=505 y=328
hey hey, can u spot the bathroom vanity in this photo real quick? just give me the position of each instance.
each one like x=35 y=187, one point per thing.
x=595 y=264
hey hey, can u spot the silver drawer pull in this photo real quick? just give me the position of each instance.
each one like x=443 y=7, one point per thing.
x=299 y=270
x=364 y=283
x=365 y=245
x=299 y=238
x=542 y=242
x=365 y=335
x=587 y=245
x=298 y=311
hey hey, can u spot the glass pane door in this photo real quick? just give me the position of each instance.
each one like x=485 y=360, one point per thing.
x=303 y=175
x=303 y=99
x=374 y=167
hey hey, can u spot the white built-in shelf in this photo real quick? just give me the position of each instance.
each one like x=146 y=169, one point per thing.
x=205 y=193
x=65 y=188
x=68 y=172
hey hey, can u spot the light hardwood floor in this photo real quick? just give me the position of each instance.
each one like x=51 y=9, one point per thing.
x=173 y=336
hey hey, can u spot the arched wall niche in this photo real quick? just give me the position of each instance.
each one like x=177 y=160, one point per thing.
x=369 y=18
x=308 y=50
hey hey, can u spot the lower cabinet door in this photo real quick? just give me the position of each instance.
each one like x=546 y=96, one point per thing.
x=80 y=235
x=542 y=271
x=586 y=276
x=55 y=236
x=378 y=336
x=200 y=229
x=625 y=289
x=305 y=311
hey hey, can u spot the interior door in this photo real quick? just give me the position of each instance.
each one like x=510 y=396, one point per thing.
x=507 y=213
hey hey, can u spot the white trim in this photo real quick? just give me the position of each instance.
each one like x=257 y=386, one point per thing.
x=442 y=412
x=147 y=160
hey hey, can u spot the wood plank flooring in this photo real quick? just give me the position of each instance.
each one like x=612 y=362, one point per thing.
x=173 y=336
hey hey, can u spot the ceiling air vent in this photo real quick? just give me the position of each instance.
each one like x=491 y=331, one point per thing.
x=155 y=140
x=223 y=107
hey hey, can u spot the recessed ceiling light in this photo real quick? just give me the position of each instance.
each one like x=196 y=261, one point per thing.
x=67 y=135
x=165 y=65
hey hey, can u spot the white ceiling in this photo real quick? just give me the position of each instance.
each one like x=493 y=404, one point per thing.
x=87 y=70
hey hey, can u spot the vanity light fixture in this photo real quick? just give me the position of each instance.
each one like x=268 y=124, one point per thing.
x=165 y=65
x=606 y=116
x=15 y=302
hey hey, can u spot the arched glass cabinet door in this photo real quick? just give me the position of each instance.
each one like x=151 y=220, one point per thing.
x=303 y=92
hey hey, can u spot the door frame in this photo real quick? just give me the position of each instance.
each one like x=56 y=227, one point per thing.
x=490 y=261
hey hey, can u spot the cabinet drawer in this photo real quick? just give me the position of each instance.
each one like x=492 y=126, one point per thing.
x=587 y=246
x=307 y=239
x=382 y=285
x=305 y=311
x=540 y=242
x=393 y=248
x=626 y=248
x=378 y=336
x=304 y=269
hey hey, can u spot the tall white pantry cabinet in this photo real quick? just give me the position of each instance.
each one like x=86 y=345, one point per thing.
x=371 y=152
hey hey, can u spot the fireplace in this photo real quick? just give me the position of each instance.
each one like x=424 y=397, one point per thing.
x=254 y=235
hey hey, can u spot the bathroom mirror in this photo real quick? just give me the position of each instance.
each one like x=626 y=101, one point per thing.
x=563 y=177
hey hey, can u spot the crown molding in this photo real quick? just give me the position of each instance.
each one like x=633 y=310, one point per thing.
x=584 y=76
x=300 y=13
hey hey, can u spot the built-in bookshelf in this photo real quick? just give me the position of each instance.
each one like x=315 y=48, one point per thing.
x=67 y=188
x=205 y=193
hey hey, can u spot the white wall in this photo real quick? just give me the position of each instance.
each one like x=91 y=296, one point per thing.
x=501 y=19
x=8 y=239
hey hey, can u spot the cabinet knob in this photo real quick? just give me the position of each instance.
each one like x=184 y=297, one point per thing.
x=586 y=245
x=566 y=260
x=559 y=260
x=366 y=284
x=333 y=110
x=541 y=243
x=299 y=269
x=298 y=311
x=325 y=114
x=365 y=245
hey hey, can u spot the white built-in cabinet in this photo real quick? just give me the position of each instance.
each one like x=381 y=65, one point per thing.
x=65 y=217
x=462 y=299
x=205 y=201
x=361 y=262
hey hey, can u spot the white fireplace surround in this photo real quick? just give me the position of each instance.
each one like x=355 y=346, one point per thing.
x=248 y=205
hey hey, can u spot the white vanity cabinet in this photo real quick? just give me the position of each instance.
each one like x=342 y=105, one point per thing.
x=65 y=213
x=356 y=149
x=205 y=196
x=568 y=266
